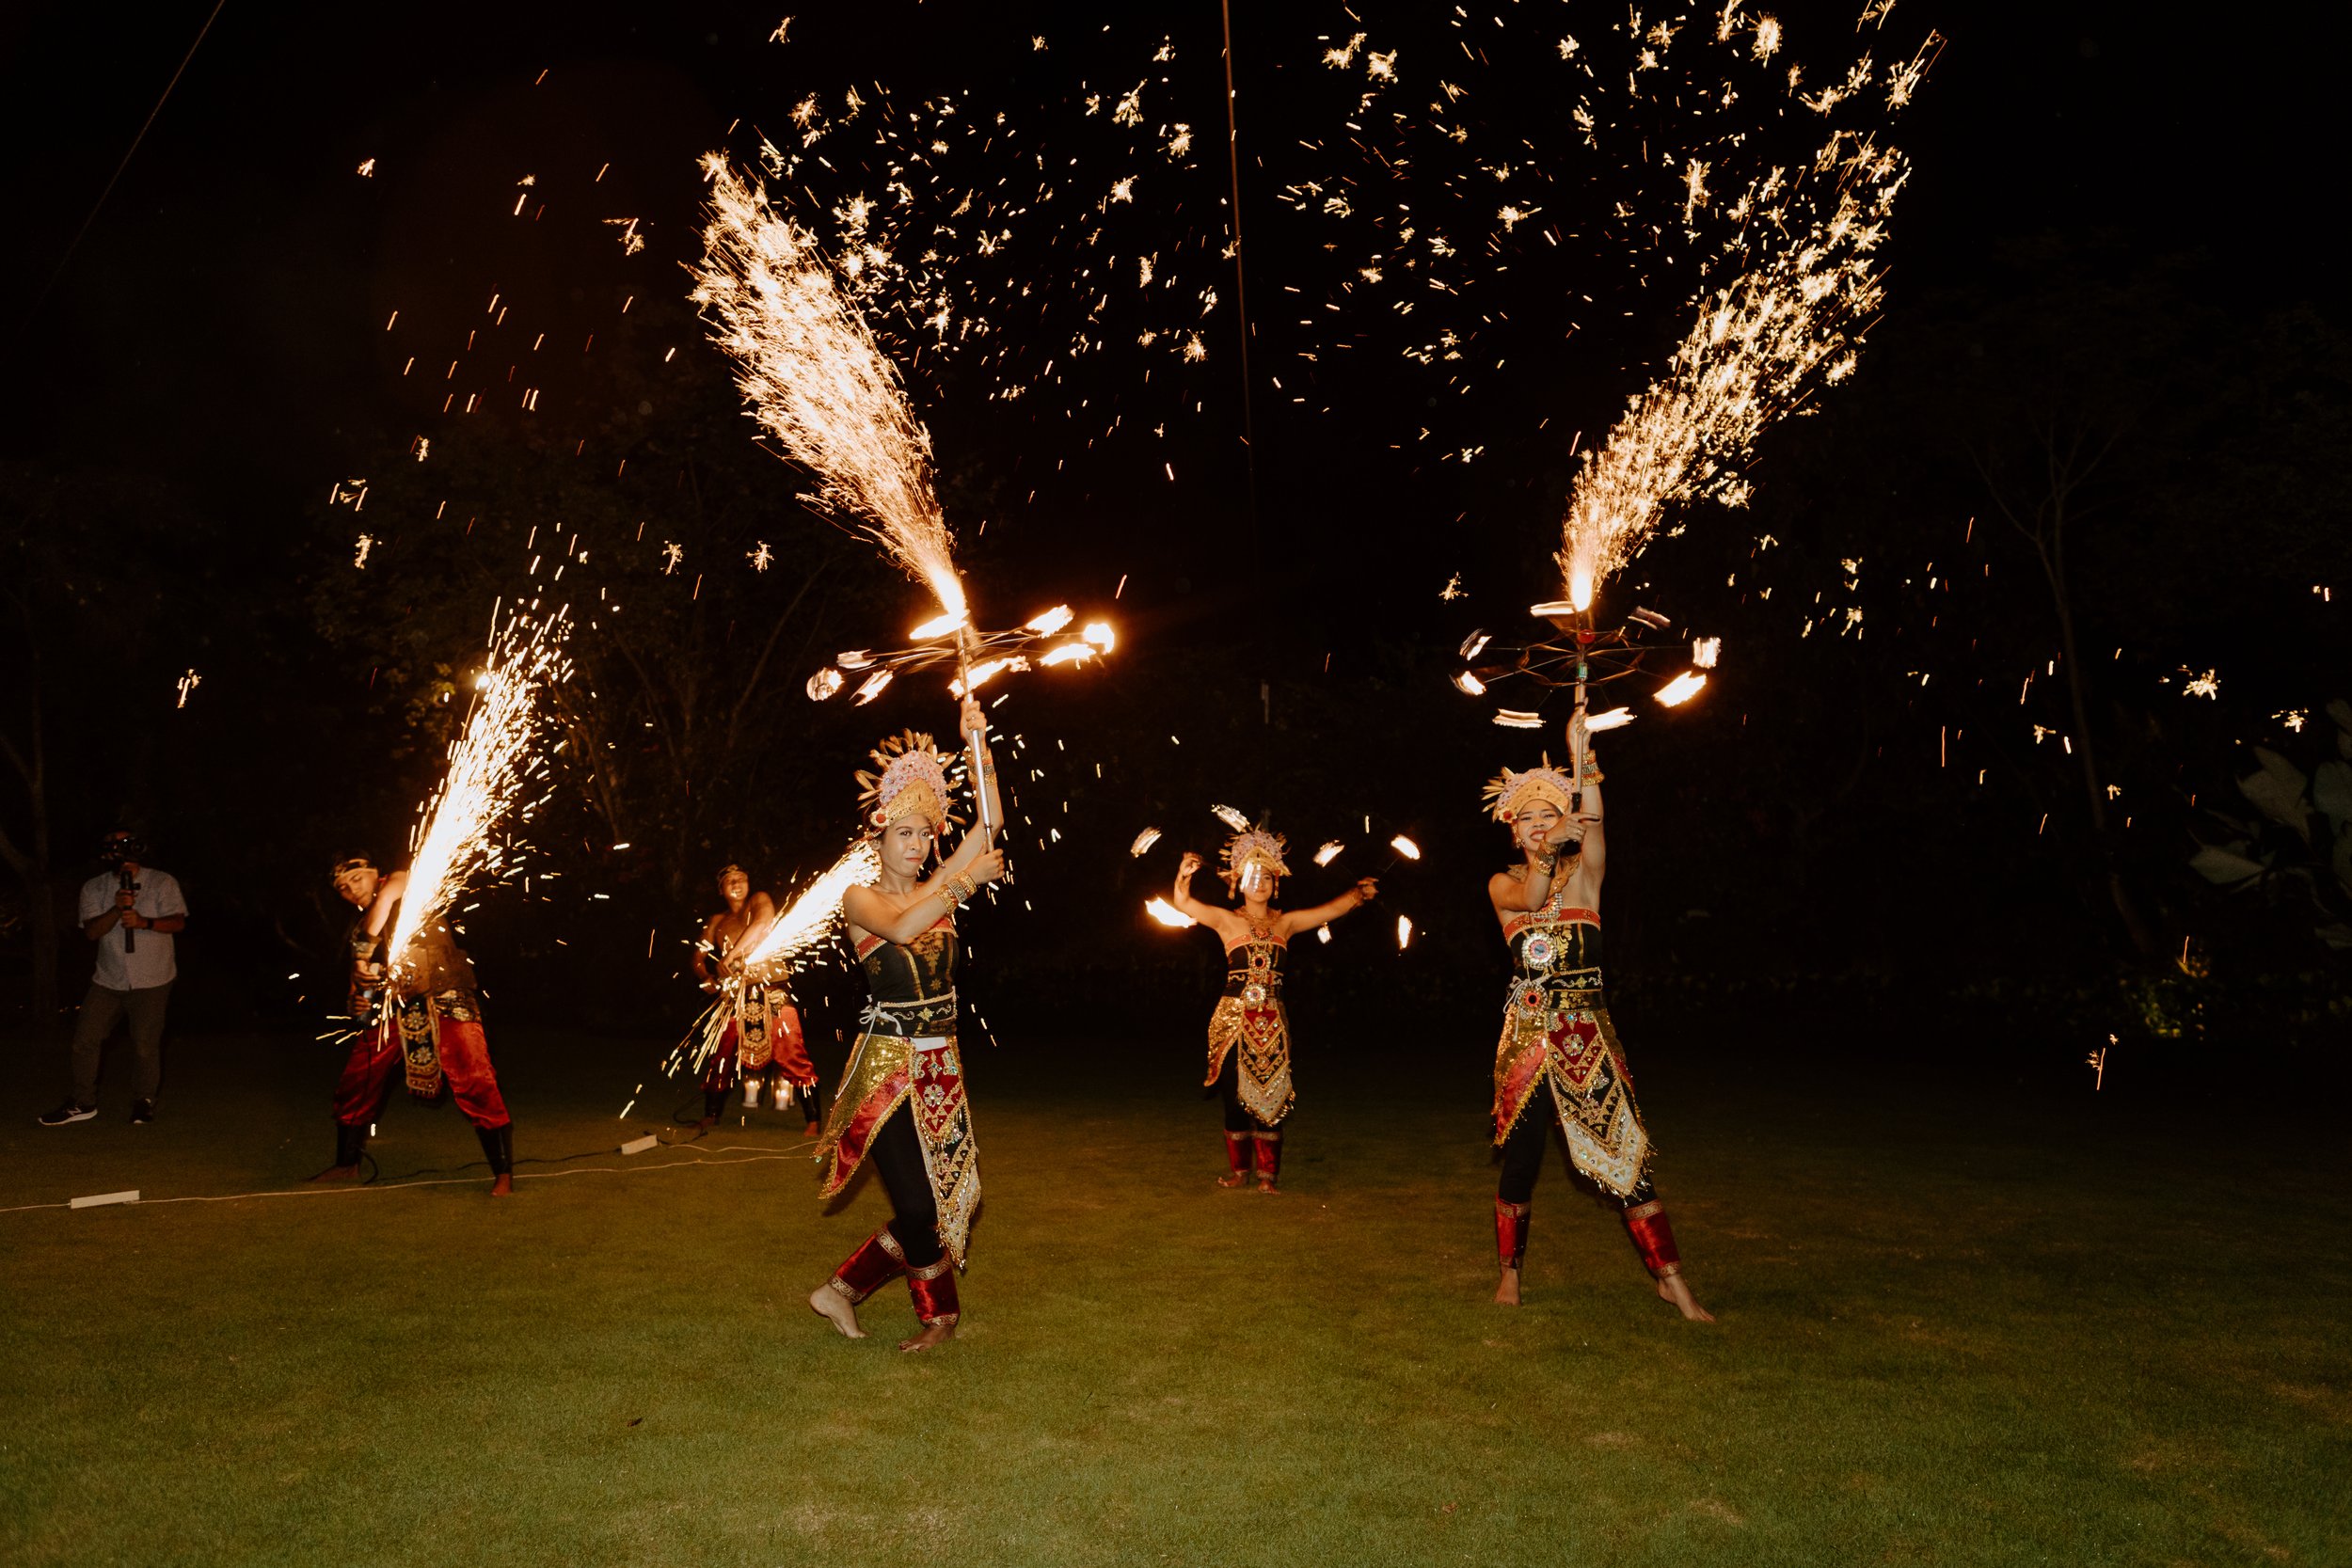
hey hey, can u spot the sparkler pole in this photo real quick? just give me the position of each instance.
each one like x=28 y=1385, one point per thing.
x=1578 y=747
x=973 y=740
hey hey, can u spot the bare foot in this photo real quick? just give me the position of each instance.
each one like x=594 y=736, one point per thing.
x=337 y=1173
x=933 y=1335
x=1675 y=1290
x=837 y=1309
x=504 y=1185
x=1265 y=1184
x=1507 y=1292
x=1238 y=1179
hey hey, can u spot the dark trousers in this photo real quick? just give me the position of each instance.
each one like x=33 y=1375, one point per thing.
x=100 y=1009
x=1523 y=1152
x=897 y=1156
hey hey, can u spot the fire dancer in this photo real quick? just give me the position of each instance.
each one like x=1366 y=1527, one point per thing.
x=1249 y=1033
x=1559 y=1058
x=427 y=1017
x=901 y=1101
x=763 y=1041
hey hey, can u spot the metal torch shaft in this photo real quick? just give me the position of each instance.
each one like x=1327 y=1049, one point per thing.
x=974 y=749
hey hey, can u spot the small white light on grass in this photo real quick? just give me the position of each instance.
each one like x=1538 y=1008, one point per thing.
x=639 y=1146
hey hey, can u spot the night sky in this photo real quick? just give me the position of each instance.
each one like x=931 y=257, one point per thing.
x=218 y=336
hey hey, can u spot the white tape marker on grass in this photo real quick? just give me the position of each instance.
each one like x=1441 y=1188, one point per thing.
x=99 y=1200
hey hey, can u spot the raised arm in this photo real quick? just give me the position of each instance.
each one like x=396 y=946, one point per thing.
x=870 y=910
x=1595 y=858
x=1364 y=891
x=1223 y=922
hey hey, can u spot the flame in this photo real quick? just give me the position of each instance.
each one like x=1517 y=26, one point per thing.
x=1513 y=718
x=1470 y=683
x=1329 y=852
x=871 y=688
x=1051 y=621
x=1101 y=635
x=1681 y=688
x=1406 y=847
x=1614 y=718
x=1069 y=653
x=1404 y=932
x=938 y=625
x=1169 y=915
x=806 y=362
x=1706 y=651
x=985 y=671
x=489 y=765
x=1231 y=817
x=1144 y=840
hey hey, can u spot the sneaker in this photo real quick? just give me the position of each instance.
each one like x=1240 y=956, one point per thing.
x=70 y=1112
x=142 y=1112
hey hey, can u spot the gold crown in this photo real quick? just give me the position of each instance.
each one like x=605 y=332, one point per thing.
x=1253 y=846
x=909 y=779
x=1508 y=794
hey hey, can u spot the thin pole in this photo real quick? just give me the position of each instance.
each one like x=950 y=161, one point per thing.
x=1241 y=287
x=59 y=271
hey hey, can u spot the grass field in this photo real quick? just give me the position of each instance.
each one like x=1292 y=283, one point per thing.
x=1956 y=1328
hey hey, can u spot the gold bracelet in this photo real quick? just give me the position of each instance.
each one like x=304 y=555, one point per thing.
x=956 y=890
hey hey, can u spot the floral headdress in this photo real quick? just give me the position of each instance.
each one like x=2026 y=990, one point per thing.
x=1252 y=847
x=1508 y=793
x=910 y=779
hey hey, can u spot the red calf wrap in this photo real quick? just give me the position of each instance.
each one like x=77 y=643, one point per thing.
x=1269 y=1154
x=1654 y=1238
x=874 y=1264
x=1511 y=1232
x=934 y=1293
x=1238 y=1152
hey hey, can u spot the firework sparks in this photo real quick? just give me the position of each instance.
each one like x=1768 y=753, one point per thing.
x=807 y=363
x=190 y=681
x=1759 y=343
x=489 y=764
x=762 y=558
x=803 y=926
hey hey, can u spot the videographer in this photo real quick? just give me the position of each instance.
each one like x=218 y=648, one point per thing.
x=132 y=911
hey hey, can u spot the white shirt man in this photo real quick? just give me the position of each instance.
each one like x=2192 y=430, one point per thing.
x=134 y=914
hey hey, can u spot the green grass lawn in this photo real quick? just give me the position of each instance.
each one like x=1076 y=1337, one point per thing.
x=1955 y=1329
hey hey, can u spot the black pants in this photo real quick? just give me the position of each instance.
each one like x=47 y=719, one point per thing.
x=897 y=1156
x=1238 y=1116
x=1523 y=1151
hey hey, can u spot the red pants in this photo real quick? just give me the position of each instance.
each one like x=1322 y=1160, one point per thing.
x=376 y=1056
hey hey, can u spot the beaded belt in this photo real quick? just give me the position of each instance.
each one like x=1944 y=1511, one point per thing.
x=1534 y=996
x=901 y=1019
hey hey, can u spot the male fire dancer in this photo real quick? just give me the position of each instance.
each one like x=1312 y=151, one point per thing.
x=427 y=1015
x=763 y=1041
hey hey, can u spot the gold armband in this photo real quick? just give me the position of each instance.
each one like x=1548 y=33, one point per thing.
x=956 y=888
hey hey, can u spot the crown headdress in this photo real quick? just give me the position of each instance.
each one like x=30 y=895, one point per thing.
x=910 y=779
x=1252 y=847
x=1508 y=793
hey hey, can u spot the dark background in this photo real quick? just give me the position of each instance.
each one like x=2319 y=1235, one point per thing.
x=2114 y=244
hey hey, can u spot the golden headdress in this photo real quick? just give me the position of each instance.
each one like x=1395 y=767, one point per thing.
x=910 y=779
x=1508 y=794
x=1252 y=847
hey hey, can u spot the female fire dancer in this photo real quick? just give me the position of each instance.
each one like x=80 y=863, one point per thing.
x=427 y=1017
x=1559 y=1056
x=901 y=1097
x=763 y=1032
x=1249 y=1033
